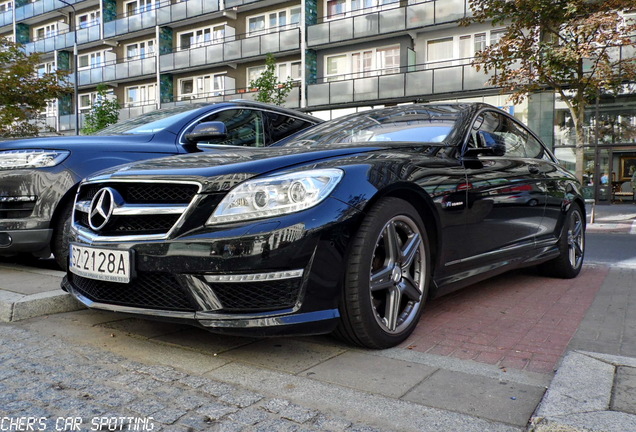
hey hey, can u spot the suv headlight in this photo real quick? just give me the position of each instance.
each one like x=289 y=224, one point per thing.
x=273 y=196
x=31 y=158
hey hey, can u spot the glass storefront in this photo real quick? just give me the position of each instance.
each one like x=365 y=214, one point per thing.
x=616 y=127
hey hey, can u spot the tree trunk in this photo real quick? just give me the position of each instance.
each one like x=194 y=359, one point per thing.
x=577 y=110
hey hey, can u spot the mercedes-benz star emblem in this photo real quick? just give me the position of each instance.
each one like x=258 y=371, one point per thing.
x=101 y=208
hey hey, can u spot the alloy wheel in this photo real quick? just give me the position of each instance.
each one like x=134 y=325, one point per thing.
x=398 y=274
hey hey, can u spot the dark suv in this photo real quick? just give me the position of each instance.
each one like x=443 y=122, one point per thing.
x=39 y=177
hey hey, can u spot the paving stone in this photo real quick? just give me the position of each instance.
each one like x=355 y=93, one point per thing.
x=624 y=393
x=478 y=396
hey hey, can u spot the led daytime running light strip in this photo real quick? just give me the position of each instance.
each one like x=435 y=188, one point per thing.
x=255 y=277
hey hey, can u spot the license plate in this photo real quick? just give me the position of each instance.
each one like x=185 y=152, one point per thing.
x=102 y=264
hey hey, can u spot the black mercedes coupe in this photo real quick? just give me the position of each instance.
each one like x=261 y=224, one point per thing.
x=348 y=227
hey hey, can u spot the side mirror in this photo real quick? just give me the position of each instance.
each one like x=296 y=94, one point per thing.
x=207 y=131
x=488 y=144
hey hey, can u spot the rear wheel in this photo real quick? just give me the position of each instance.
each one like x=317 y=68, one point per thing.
x=387 y=277
x=59 y=243
x=571 y=247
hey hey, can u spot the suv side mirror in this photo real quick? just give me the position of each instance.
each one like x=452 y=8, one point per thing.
x=207 y=131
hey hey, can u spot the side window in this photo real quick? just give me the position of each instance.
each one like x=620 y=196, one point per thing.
x=244 y=127
x=516 y=140
x=279 y=126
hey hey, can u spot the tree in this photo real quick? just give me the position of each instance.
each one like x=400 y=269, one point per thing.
x=270 y=90
x=23 y=92
x=104 y=112
x=578 y=48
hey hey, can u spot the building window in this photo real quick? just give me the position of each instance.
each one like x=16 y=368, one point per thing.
x=202 y=86
x=140 y=95
x=371 y=62
x=140 y=50
x=201 y=37
x=87 y=100
x=45 y=68
x=6 y=6
x=88 y=19
x=90 y=60
x=273 y=21
x=343 y=8
x=284 y=71
x=46 y=31
x=452 y=51
x=51 y=109
x=139 y=6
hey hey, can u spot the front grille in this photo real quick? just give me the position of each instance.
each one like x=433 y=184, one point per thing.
x=146 y=199
x=16 y=210
x=142 y=193
x=137 y=225
x=255 y=296
x=147 y=290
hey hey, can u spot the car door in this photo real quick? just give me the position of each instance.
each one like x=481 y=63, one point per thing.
x=506 y=190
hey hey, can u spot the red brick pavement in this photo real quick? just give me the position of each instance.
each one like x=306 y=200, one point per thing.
x=517 y=320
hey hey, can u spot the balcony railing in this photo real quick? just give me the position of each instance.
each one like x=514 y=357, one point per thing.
x=291 y=101
x=64 y=40
x=40 y=7
x=165 y=13
x=118 y=71
x=231 y=50
x=422 y=81
x=6 y=18
x=387 y=21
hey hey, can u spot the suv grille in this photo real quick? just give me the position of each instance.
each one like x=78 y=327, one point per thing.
x=148 y=290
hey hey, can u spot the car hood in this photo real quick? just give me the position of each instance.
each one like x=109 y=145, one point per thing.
x=246 y=163
x=119 y=142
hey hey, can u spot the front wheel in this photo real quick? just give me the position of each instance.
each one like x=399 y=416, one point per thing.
x=388 y=272
x=571 y=246
x=60 y=243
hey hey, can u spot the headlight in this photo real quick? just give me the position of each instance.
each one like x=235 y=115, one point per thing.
x=16 y=159
x=275 y=196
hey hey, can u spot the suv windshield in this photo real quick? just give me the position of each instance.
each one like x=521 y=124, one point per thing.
x=150 y=122
x=419 y=125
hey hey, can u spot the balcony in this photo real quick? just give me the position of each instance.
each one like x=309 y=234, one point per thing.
x=118 y=71
x=291 y=101
x=65 y=40
x=162 y=15
x=40 y=7
x=364 y=24
x=407 y=85
x=6 y=18
x=232 y=49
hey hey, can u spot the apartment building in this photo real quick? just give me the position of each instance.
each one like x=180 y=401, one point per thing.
x=343 y=55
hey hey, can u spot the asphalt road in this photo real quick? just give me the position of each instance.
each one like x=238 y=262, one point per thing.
x=616 y=249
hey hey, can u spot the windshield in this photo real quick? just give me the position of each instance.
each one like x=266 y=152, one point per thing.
x=150 y=122
x=399 y=124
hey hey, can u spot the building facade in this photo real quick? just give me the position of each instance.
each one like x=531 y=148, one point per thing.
x=343 y=56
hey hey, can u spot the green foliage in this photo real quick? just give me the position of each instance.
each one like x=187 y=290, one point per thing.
x=104 y=112
x=24 y=94
x=270 y=90
x=569 y=46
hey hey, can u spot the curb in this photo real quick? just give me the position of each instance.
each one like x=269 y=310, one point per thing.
x=579 y=397
x=16 y=307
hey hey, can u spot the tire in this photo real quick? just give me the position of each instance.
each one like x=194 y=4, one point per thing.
x=59 y=242
x=571 y=246
x=384 y=293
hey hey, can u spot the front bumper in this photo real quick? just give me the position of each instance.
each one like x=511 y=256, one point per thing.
x=35 y=241
x=258 y=279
